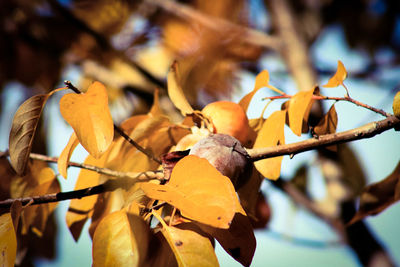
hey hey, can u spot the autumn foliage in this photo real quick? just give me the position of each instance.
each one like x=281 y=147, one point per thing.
x=167 y=205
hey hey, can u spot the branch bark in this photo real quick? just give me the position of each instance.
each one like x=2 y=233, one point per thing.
x=367 y=131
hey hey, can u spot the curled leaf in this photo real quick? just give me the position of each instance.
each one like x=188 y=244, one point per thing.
x=175 y=91
x=90 y=117
x=271 y=134
x=328 y=123
x=338 y=78
x=23 y=130
x=63 y=159
x=262 y=80
x=298 y=111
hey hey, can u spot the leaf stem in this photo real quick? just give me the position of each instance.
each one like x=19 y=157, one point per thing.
x=120 y=131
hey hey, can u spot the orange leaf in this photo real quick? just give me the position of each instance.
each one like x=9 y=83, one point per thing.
x=298 y=106
x=175 y=91
x=8 y=241
x=81 y=209
x=199 y=191
x=262 y=80
x=120 y=239
x=63 y=159
x=339 y=77
x=90 y=117
x=155 y=108
x=271 y=134
x=190 y=247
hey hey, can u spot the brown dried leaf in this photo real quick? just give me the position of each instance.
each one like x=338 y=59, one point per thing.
x=328 y=123
x=378 y=196
x=239 y=240
x=271 y=134
x=175 y=91
x=23 y=130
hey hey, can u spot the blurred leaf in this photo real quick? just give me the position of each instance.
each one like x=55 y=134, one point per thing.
x=8 y=241
x=249 y=191
x=262 y=80
x=239 y=240
x=300 y=179
x=190 y=247
x=156 y=109
x=338 y=78
x=262 y=214
x=271 y=134
x=63 y=159
x=80 y=210
x=199 y=191
x=378 y=196
x=23 y=130
x=396 y=105
x=299 y=106
x=175 y=91
x=328 y=123
x=120 y=239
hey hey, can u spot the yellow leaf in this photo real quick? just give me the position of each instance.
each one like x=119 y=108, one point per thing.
x=199 y=191
x=81 y=209
x=63 y=159
x=8 y=241
x=262 y=80
x=175 y=91
x=299 y=104
x=271 y=134
x=328 y=123
x=120 y=239
x=90 y=117
x=339 y=77
x=190 y=247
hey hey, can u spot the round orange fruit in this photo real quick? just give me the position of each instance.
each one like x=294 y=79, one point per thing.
x=228 y=118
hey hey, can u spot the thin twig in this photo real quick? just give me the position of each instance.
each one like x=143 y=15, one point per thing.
x=345 y=98
x=249 y=35
x=120 y=131
x=366 y=131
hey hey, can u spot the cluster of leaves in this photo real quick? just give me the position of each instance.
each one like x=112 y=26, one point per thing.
x=169 y=217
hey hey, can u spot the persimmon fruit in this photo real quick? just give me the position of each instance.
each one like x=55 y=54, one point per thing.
x=228 y=118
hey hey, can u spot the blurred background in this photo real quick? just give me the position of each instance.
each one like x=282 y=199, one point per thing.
x=220 y=46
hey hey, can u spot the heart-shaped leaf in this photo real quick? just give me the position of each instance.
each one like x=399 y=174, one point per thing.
x=90 y=117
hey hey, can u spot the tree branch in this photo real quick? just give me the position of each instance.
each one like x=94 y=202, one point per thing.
x=108 y=186
x=366 y=131
x=250 y=36
x=345 y=98
x=120 y=131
